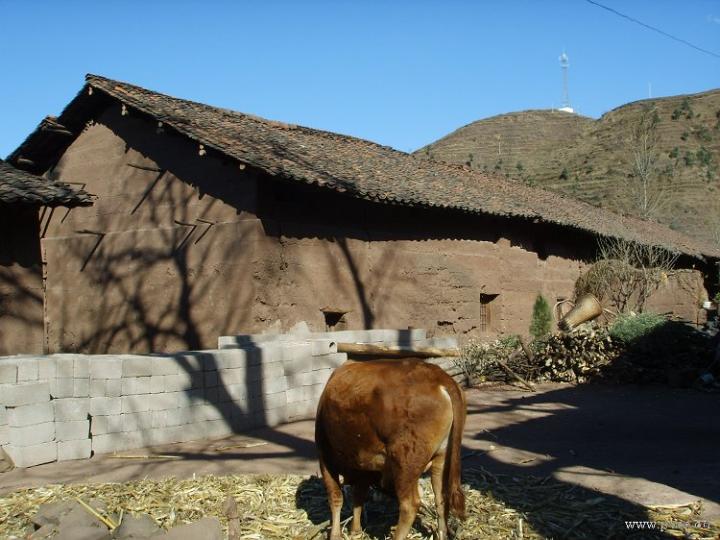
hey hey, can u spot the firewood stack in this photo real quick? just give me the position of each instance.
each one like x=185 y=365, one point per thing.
x=575 y=357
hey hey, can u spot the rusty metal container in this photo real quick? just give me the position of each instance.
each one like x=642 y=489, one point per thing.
x=586 y=308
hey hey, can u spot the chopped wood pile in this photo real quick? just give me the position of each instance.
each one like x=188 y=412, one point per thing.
x=676 y=354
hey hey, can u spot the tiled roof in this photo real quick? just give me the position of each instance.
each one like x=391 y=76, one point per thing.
x=19 y=187
x=370 y=171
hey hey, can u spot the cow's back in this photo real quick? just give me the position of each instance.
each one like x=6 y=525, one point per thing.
x=370 y=409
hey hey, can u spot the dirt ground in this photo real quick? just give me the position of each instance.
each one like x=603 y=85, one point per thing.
x=644 y=445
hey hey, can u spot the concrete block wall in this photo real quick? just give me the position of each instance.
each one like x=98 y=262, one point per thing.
x=68 y=406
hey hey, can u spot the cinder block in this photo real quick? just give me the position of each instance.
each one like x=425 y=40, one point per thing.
x=230 y=358
x=270 y=371
x=117 y=442
x=100 y=425
x=273 y=401
x=77 y=449
x=113 y=387
x=3 y=415
x=139 y=421
x=32 y=435
x=321 y=376
x=29 y=456
x=62 y=387
x=97 y=388
x=165 y=365
x=65 y=365
x=206 y=412
x=233 y=376
x=72 y=430
x=105 y=406
x=237 y=392
x=328 y=361
x=319 y=347
x=301 y=410
x=47 y=369
x=187 y=398
x=106 y=367
x=27 y=368
x=159 y=419
x=157 y=384
x=276 y=416
x=131 y=404
x=136 y=366
x=71 y=409
x=313 y=393
x=165 y=435
x=135 y=385
x=295 y=395
x=298 y=365
x=162 y=402
x=211 y=379
x=24 y=393
x=212 y=395
x=4 y=435
x=29 y=415
x=273 y=386
x=296 y=380
x=8 y=372
x=177 y=382
x=215 y=429
x=81 y=388
x=81 y=366
x=295 y=351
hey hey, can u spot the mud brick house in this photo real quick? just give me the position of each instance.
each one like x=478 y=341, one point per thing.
x=22 y=197
x=210 y=222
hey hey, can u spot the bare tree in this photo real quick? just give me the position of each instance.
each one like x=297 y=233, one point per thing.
x=626 y=273
x=646 y=190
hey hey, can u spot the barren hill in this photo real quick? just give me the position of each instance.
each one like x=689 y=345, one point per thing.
x=593 y=160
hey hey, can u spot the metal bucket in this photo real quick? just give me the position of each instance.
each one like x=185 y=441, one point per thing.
x=586 y=308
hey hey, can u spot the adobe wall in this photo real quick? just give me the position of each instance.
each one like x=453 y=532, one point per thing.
x=182 y=247
x=21 y=293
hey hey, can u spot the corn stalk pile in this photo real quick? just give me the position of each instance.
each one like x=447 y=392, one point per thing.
x=292 y=507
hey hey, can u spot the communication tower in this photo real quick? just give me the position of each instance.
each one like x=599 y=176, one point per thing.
x=564 y=64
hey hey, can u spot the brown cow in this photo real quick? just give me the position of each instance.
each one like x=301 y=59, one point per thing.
x=384 y=423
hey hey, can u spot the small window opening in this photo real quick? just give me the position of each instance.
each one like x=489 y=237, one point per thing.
x=485 y=319
x=334 y=319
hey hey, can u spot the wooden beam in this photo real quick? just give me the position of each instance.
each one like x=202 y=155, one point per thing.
x=359 y=349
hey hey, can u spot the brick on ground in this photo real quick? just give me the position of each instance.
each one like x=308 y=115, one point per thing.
x=29 y=456
x=32 y=435
x=77 y=449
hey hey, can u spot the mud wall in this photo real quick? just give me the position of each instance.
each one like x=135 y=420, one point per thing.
x=21 y=294
x=183 y=245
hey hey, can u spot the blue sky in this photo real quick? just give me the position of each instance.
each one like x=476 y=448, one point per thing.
x=399 y=73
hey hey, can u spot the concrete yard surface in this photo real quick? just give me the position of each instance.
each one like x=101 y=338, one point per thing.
x=647 y=445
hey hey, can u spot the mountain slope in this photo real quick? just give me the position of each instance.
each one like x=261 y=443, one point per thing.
x=593 y=159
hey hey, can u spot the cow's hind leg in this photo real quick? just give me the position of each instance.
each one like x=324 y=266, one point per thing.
x=407 y=491
x=335 y=499
x=436 y=477
x=360 y=491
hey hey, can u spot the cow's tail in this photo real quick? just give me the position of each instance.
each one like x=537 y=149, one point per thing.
x=454 y=496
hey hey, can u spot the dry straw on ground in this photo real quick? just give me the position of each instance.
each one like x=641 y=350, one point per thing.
x=286 y=507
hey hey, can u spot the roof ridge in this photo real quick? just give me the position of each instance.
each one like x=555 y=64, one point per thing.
x=90 y=77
